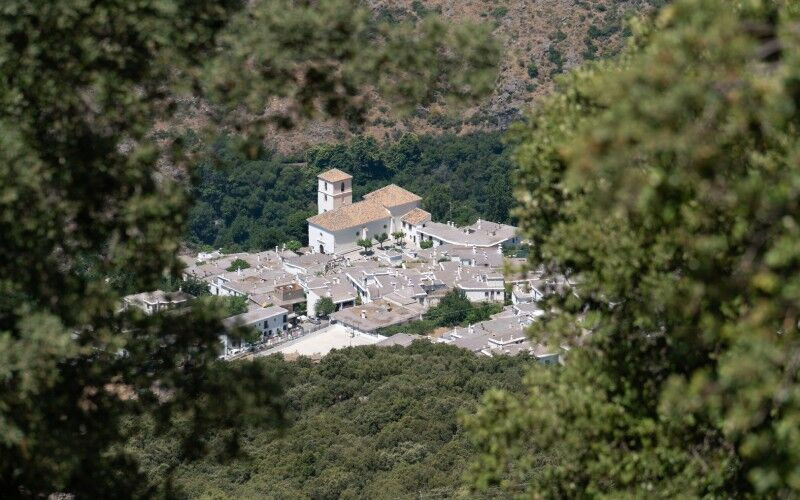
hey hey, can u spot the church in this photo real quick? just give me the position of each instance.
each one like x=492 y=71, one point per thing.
x=339 y=222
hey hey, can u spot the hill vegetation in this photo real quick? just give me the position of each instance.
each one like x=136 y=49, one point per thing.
x=362 y=422
x=256 y=204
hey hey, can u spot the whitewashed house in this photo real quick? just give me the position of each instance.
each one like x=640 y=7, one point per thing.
x=267 y=321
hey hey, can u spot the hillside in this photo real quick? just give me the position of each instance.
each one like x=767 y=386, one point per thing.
x=540 y=40
x=361 y=423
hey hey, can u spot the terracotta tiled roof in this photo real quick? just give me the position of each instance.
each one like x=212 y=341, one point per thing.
x=334 y=175
x=416 y=216
x=350 y=216
x=392 y=196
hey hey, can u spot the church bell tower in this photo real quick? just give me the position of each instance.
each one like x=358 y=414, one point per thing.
x=334 y=189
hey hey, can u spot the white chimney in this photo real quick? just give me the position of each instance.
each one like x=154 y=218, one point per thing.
x=363 y=314
x=479 y=223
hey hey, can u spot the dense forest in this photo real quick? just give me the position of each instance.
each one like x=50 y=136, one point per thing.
x=361 y=423
x=243 y=204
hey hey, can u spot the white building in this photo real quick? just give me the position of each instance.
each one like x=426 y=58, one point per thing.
x=267 y=321
x=335 y=287
x=339 y=222
x=156 y=301
x=482 y=234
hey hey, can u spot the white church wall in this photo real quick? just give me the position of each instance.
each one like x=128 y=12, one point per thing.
x=398 y=212
x=333 y=241
x=318 y=236
x=348 y=237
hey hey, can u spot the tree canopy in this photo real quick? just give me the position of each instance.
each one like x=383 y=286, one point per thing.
x=84 y=84
x=325 y=307
x=366 y=422
x=666 y=185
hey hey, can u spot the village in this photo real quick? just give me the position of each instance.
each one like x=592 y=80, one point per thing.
x=370 y=265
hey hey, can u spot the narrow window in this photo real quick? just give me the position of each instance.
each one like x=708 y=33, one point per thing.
x=343 y=187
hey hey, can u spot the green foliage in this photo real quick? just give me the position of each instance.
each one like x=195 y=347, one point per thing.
x=84 y=85
x=518 y=251
x=499 y=12
x=455 y=309
x=419 y=327
x=325 y=306
x=667 y=186
x=366 y=243
x=194 y=286
x=451 y=310
x=425 y=244
x=366 y=422
x=293 y=245
x=230 y=305
x=533 y=70
x=481 y=312
x=249 y=204
x=398 y=237
x=257 y=204
x=556 y=59
x=237 y=264
x=381 y=238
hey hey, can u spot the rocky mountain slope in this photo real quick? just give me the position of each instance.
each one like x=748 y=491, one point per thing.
x=540 y=39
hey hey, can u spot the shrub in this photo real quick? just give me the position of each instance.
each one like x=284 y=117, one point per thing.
x=556 y=59
x=325 y=306
x=238 y=264
x=533 y=69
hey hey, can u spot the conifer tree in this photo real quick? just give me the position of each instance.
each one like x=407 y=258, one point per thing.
x=666 y=186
